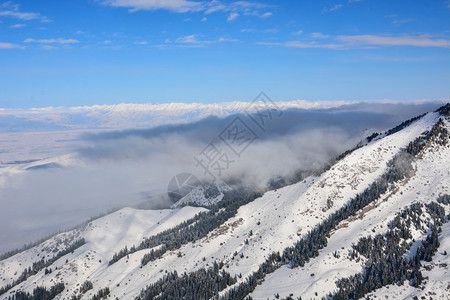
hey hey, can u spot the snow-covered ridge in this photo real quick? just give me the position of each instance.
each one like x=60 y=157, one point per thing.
x=103 y=237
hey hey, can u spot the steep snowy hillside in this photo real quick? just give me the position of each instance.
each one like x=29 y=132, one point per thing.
x=308 y=239
x=436 y=271
x=431 y=179
x=102 y=238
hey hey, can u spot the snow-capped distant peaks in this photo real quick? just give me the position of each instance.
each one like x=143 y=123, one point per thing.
x=204 y=195
x=132 y=115
x=129 y=115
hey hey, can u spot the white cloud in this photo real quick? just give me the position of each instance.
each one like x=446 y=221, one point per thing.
x=232 y=16
x=214 y=6
x=247 y=30
x=106 y=42
x=247 y=8
x=9 y=9
x=352 y=41
x=204 y=19
x=380 y=40
x=67 y=41
x=397 y=23
x=17 y=26
x=265 y=15
x=18 y=15
x=191 y=39
x=318 y=35
x=336 y=7
x=298 y=32
x=248 y=5
x=141 y=43
x=52 y=41
x=188 y=39
x=9 y=46
x=172 y=5
x=299 y=44
x=333 y=8
x=227 y=39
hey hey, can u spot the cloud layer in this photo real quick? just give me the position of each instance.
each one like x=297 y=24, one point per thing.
x=173 y=5
x=343 y=42
x=9 y=9
x=131 y=167
x=248 y=8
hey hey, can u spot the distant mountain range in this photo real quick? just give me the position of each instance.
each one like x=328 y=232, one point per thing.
x=127 y=115
x=130 y=115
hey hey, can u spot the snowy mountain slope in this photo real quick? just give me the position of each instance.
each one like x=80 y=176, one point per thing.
x=270 y=223
x=437 y=271
x=13 y=266
x=432 y=178
x=103 y=237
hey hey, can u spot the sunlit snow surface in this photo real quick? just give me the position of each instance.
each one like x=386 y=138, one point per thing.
x=432 y=178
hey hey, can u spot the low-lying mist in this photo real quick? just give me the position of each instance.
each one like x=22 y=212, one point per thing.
x=133 y=167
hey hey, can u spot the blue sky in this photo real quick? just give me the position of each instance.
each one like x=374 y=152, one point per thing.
x=85 y=52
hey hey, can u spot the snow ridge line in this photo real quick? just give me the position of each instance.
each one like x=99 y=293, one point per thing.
x=190 y=230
